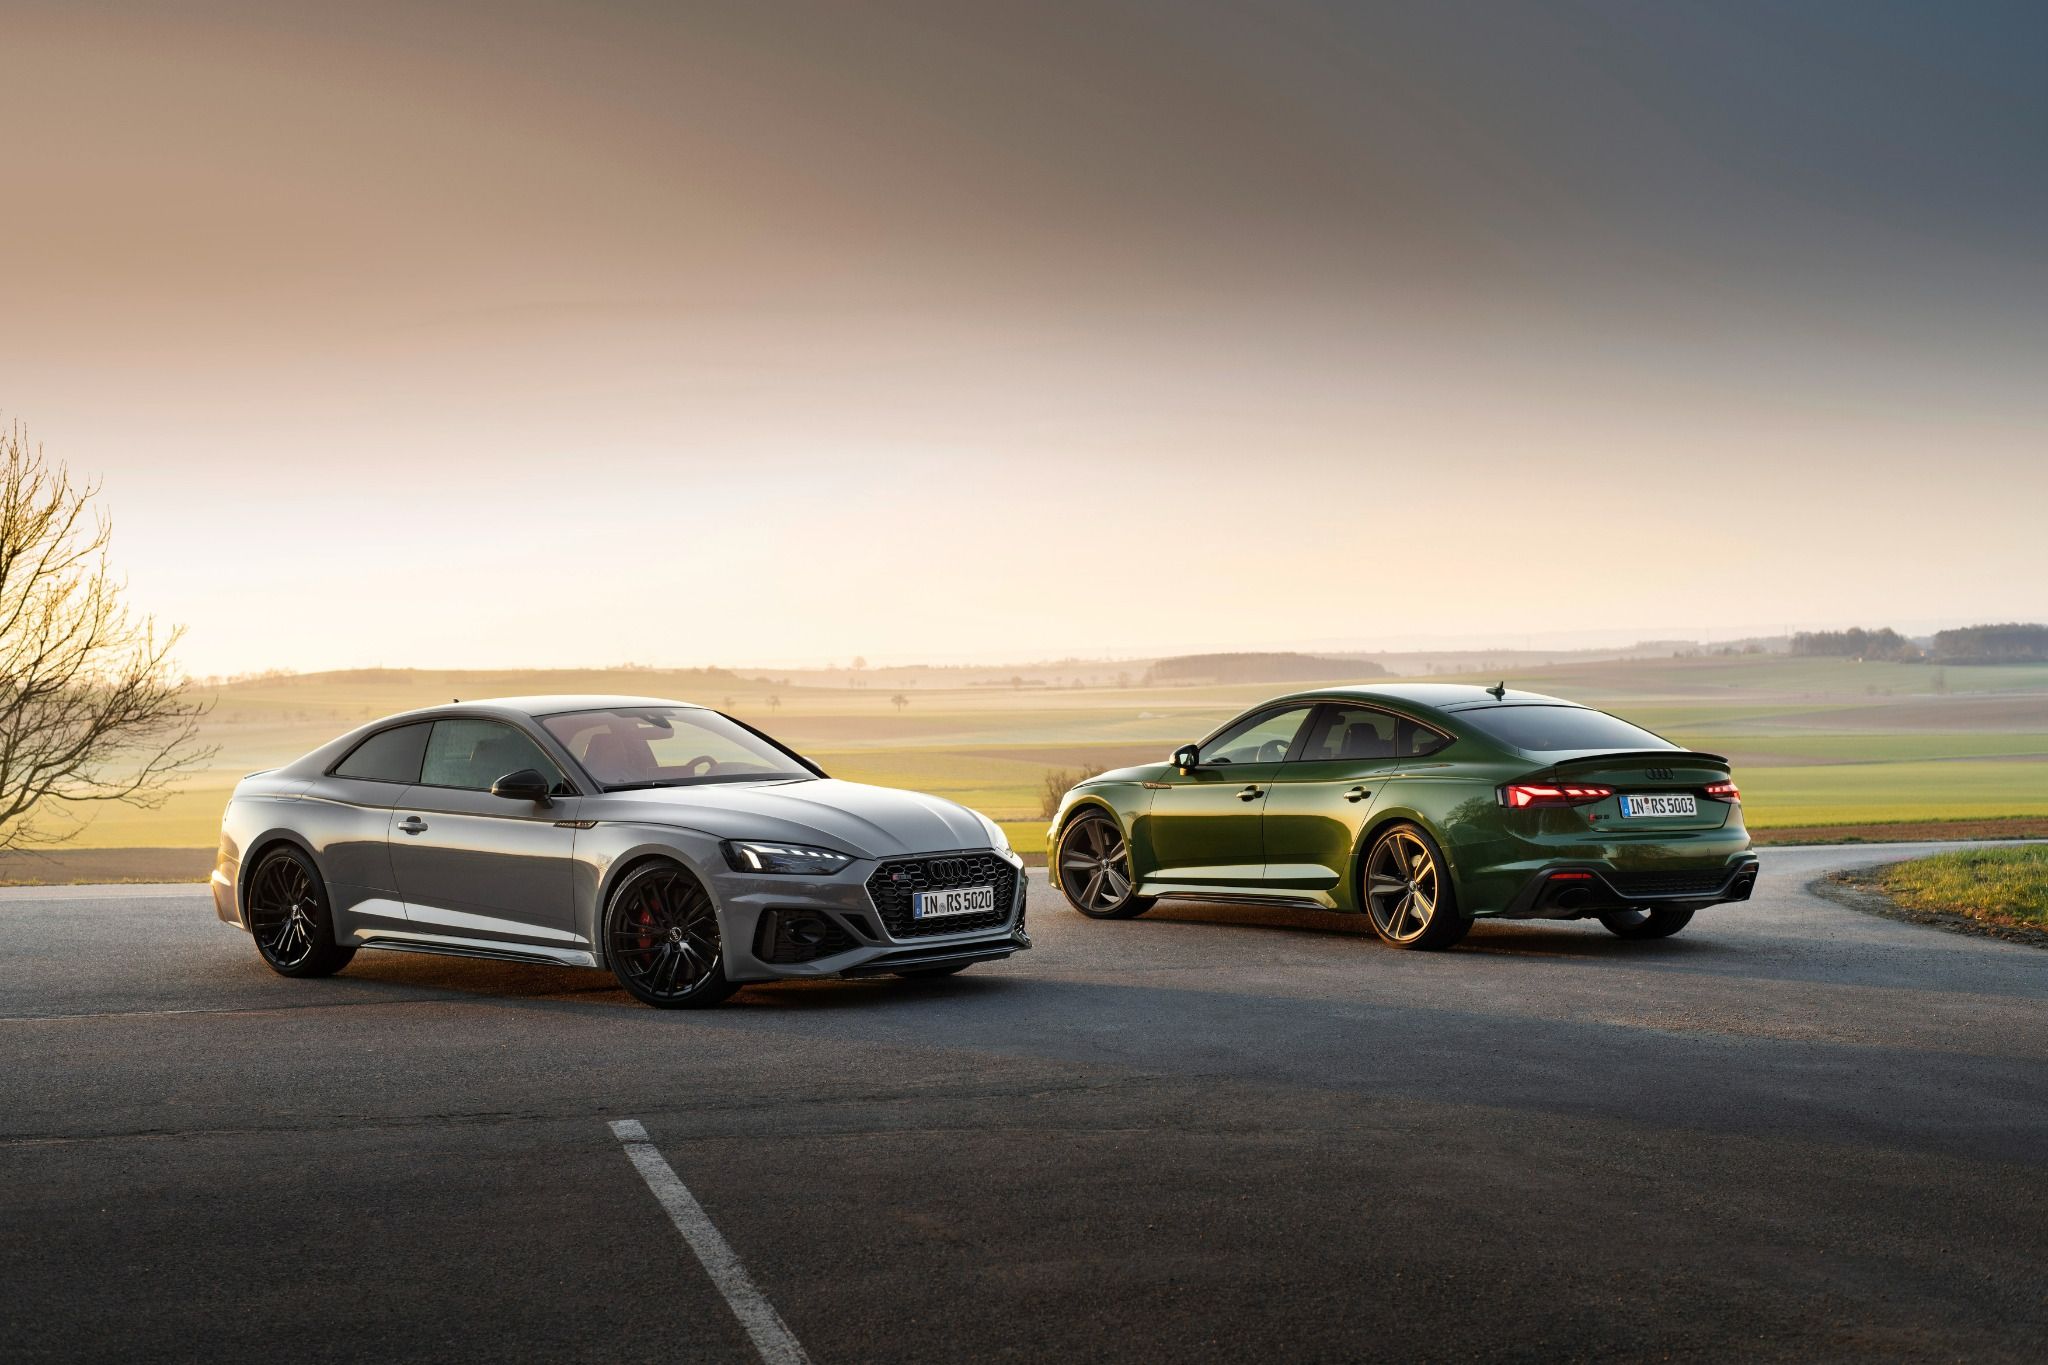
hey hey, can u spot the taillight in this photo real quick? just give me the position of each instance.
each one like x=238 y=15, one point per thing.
x=1521 y=795
x=1725 y=791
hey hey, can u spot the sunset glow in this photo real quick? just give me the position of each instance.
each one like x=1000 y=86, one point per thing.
x=401 y=338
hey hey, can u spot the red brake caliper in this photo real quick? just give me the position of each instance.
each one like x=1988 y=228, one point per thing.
x=645 y=919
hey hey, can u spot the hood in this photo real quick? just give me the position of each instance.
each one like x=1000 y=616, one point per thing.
x=1143 y=772
x=869 y=822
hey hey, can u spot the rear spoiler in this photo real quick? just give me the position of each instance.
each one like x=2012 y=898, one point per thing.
x=1670 y=756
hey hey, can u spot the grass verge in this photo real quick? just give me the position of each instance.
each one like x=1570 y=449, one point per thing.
x=1989 y=893
x=1996 y=885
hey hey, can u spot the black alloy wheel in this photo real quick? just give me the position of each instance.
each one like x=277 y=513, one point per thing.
x=662 y=939
x=289 y=917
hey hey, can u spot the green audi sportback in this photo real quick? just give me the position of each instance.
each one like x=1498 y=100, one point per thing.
x=1423 y=806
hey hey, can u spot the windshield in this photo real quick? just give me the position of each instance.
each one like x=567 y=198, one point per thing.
x=1559 y=729
x=668 y=746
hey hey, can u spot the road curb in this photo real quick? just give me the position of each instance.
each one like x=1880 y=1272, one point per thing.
x=1858 y=890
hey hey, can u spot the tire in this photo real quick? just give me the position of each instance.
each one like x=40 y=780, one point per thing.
x=662 y=940
x=1406 y=891
x=291 y=918
x=1634 y=923
x=1093 y=853
x=930 y=973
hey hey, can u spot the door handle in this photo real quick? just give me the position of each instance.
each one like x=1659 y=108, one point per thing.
x=1251 y=793
x=1357 y=794
x=412 y=824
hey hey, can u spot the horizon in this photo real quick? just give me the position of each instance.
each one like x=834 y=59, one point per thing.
x=749 y=670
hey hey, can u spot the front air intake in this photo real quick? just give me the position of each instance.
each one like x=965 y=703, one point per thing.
x=798 y=936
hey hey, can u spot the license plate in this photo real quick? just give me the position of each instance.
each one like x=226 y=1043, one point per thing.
x=1655 y=807
x=961 y=900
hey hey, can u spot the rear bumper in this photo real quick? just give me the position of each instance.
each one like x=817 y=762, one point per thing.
x=1573 y=890
x=225 y=902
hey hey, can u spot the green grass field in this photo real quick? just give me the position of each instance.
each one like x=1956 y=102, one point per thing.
x=1815 y=741
x=2002 y=885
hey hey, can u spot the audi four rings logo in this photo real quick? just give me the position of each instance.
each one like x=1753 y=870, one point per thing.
x=946 y=869
x=1658 y=774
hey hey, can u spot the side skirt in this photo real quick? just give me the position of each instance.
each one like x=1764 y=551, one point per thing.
x=1246 y=898
x=396 y=942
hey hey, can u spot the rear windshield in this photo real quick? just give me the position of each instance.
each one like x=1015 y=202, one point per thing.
x=1559 y=729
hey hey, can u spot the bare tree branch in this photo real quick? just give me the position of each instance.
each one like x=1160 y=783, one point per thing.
x=90 y=710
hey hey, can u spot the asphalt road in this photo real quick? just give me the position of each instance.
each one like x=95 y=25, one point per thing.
x=1794 y=1131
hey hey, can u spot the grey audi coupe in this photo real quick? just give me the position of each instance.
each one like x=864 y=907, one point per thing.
x=682 y=849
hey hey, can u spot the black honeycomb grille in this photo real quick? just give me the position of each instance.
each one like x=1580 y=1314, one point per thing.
x=895 y=882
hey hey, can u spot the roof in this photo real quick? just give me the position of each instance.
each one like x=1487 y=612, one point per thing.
x=550 y=706
x=1438 y=696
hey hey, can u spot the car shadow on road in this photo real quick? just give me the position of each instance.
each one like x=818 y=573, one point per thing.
x=1283 y=919
x=1519 y=938
x=508 y=981
x=518 y=984
x=870 y=992
x=1585 y=939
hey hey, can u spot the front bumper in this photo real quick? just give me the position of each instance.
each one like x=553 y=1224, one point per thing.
x=1575 y=890
x=784 y=928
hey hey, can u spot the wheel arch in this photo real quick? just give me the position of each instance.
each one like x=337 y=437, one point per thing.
x=1379 y=823
x=262 y=847
x=1083 y=804
x=1091 y=801
x=624 y=866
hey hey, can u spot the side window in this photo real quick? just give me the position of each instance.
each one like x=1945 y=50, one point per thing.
x=1259 y=739
x=1350 y=732
x=1413 y=741
x=472 y=754
x=1360 y=734
x=388 y=756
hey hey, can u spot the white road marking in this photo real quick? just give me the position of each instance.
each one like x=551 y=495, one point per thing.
x=770 y=1334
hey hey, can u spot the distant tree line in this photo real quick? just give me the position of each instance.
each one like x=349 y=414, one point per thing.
x=1277 y=667
x=2011 y=643
x=1856 y=643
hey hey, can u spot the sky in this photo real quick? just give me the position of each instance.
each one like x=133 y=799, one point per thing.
x=522 y=335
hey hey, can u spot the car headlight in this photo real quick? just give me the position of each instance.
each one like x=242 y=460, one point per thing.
x=997 y=840
x=797 y=860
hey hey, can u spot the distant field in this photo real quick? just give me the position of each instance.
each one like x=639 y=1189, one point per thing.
x=1817 y=742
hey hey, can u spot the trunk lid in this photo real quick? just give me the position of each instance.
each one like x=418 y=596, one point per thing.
x=1647 y=772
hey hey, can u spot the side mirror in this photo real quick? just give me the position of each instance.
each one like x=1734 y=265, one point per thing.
x=528 y=784
x=1187 y=758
